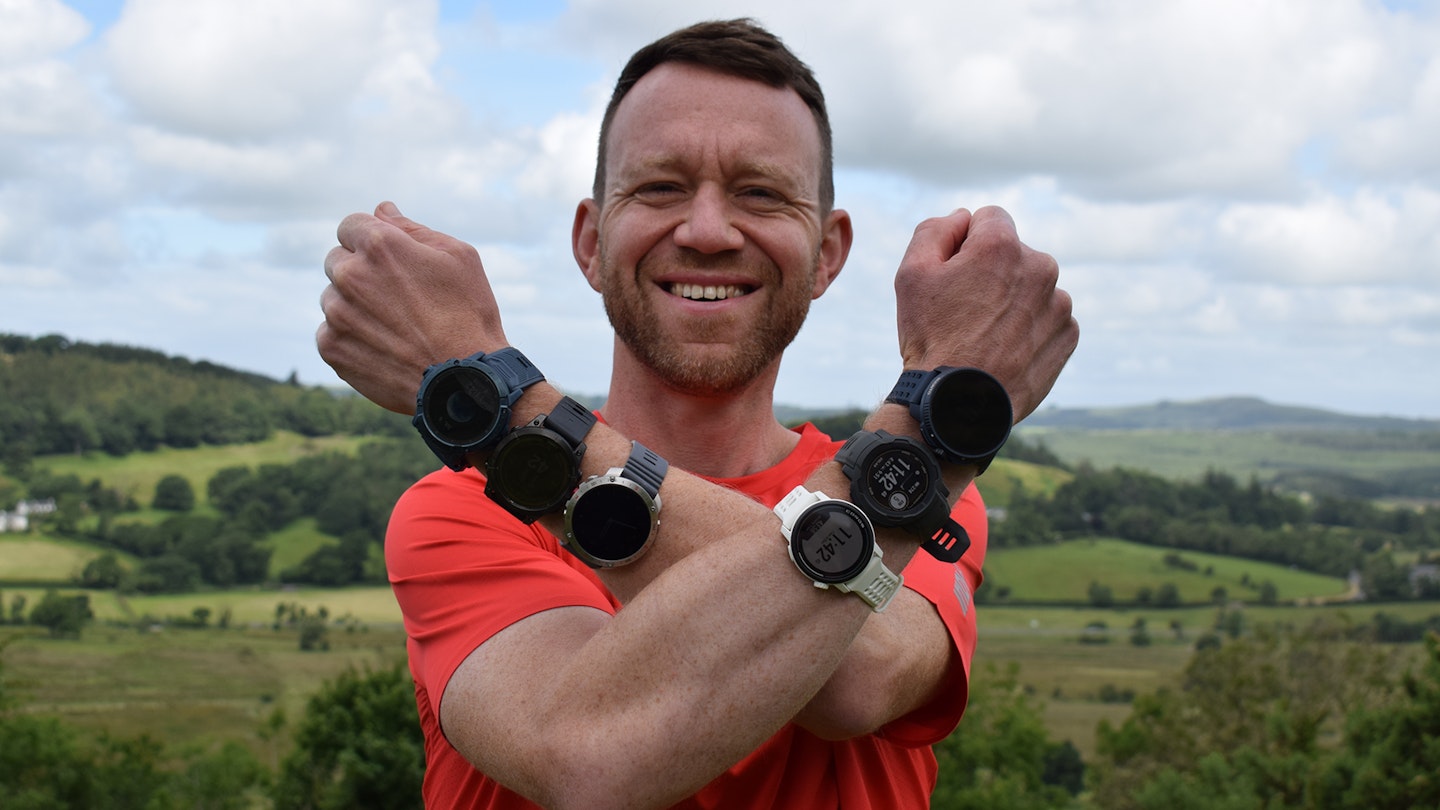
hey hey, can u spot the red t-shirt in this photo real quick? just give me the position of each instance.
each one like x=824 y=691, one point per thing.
x=463 y=569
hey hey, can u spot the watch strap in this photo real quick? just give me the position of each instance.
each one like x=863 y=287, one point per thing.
x=646 y=468
x=513 y=367
x=571 y=420
x=876 y=585
x=910 y=387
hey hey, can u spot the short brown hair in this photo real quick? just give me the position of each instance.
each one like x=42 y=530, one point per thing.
x=739 y=48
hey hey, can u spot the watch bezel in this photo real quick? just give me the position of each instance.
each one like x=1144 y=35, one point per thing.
x=965 y=414
x=882 y=512
x=499 y=484
x=802 y=561
x=428 y=409
x=585 y=548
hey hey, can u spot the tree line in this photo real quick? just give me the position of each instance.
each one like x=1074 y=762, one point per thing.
x=1388 y=547
x=349 y=497
x=59 y=396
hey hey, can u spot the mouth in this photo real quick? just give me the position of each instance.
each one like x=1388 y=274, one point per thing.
x=708 y=292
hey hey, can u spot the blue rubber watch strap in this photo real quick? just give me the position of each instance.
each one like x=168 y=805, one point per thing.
x=646 y=468
x=513 y=367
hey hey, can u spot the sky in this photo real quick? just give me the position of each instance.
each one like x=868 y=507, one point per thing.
x=1243 y=195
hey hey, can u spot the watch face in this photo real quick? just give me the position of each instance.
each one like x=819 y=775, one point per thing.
x=832 y=541
x=534 y=469
x=461 y=405
x=969 y=412
x=897 y=479
x=611 y=522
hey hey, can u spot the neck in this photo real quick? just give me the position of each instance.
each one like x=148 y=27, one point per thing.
x=721 y=436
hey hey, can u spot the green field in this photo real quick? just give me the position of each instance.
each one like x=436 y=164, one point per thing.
x=137 y=474
x=1069 y=678
x=1005 y=476
x=1189 y=455
x=1062 y=574
x=187 y=687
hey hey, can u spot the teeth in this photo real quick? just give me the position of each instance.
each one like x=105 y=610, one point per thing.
x=707 y=292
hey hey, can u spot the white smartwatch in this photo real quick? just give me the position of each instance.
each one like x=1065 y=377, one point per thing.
x=833 y=544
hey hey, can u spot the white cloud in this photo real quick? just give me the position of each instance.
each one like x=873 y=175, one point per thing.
x=1238 y=193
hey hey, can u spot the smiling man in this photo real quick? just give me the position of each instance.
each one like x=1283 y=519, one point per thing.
x=684 y=602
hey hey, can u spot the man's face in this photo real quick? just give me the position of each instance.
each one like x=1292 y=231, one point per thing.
x=710 y=232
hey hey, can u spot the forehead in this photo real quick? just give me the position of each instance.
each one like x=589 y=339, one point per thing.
x=681 y=113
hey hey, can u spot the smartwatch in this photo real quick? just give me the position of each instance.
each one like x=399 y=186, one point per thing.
x=535 y=468
x=463 y=406
x=611 y=518
x=964 y=413
x=896 y=481
x=833 y=544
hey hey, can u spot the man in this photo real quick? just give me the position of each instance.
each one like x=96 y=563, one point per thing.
x=707 y=671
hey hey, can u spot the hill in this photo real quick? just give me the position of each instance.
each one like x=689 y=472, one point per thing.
x=1228 y=413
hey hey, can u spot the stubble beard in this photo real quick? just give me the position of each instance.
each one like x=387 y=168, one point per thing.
x=720 y=370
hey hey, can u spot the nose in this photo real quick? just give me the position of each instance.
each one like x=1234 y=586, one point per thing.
x=708 y=226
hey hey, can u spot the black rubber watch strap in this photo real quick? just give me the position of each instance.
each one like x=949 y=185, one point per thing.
x=949 y=542
x=571 y=420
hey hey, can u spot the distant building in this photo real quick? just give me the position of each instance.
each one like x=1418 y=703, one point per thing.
x=19 y=520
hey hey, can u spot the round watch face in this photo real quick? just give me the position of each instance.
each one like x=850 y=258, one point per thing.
x=832 y=541
x=611 y=521
x=897 y=479
x=461 y=405
x=969 y=412
x=534 y=469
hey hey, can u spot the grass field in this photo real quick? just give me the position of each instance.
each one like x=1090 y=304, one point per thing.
x=1069 y=679
x=1005 y=476
x=193 y=687
x=1063 y=573
x=1189 y=455
x=187 y=687
x=137 y=474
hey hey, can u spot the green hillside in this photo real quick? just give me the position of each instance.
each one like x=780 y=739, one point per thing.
x=1063 y=573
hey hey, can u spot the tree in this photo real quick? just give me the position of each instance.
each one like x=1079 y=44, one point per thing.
x=358 y=745
x=174 y=493
x=63 y=616
x=1392 y=753
x=104 y=571
x=1001 y=755
x=1245 y=729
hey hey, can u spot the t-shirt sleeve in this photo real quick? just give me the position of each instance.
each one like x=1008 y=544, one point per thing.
x=463 y=569
x=950 y=587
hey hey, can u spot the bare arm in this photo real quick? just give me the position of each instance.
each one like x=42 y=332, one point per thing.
x=721 y=641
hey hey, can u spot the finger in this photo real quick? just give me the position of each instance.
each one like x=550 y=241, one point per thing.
x=334 y=258
x=938 y=238
x=353 y=231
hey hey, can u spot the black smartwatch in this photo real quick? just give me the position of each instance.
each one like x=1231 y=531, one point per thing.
x=896 y=482
x=833 y=544
x=535 y=468
x=463 y=406
x=611 y=518
x=964 y=413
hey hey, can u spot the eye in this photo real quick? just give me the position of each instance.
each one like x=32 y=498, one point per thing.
x=761 y=197
x=659 y=191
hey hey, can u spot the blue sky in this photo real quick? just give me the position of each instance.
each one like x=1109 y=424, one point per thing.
x=1244 y=197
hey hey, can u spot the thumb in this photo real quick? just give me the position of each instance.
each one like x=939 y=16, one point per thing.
x=391 y=214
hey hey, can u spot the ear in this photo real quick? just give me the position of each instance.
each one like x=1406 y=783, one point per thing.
x=835 y=237
x=585 y=241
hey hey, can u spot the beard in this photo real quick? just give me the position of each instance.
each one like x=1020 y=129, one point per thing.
x=715 y=367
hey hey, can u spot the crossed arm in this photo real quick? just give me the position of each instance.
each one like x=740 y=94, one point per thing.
x=720 y=641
